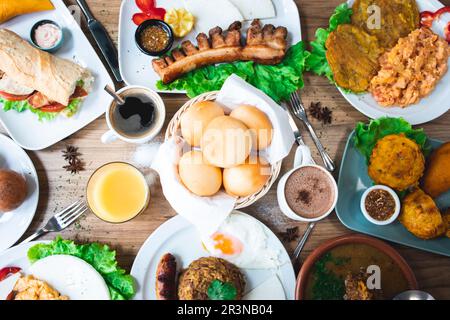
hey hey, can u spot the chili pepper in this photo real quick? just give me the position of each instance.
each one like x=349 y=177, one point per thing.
x=5 y=272
x=427 y=18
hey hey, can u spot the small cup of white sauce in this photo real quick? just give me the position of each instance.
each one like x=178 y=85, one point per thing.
x=47 y=35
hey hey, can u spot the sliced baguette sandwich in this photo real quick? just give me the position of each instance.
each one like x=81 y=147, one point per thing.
x=31 y=79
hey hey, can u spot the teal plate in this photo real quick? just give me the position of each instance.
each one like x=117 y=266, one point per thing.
x=354 y=180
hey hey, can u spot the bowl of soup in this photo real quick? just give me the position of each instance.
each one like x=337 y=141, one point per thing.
x=354 y=267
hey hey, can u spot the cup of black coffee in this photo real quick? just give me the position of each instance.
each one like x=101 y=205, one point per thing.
x=139 y=119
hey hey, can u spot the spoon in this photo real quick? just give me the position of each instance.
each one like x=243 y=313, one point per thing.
x=414 y=295
x=118 y=99
x=301 y=244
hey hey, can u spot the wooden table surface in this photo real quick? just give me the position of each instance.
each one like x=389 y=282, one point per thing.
x=59 y=188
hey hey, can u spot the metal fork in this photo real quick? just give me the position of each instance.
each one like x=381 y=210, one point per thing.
x=61 y=220
x=299 y=111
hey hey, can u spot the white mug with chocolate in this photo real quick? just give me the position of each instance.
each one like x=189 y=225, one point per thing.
x=308 y=192
x=139 y=119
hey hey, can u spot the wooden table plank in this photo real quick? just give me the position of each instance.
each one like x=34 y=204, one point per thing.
x=59 y=188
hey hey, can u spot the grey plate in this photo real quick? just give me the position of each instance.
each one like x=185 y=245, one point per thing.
x=353 y=181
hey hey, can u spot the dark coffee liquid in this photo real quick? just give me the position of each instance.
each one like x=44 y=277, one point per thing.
x=134 y=117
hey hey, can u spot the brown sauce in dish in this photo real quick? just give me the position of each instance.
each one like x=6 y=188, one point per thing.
x=351 y=258
x=380 y=204
x=154 y=39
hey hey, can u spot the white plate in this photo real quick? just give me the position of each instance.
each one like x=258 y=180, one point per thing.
x=13 y=224
x=136 y=67
x=15 y=257
x=180 y=238
x=429 y=108
x=24 y=127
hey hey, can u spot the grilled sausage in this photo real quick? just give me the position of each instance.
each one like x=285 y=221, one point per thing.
x=166 y=287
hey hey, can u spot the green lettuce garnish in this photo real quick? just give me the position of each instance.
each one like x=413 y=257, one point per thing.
x=21 y=106
x=101 y=257
x=317 y=61
x=277 y=81
x=367 y=135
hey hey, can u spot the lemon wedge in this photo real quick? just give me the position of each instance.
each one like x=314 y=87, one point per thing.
x=181 y=21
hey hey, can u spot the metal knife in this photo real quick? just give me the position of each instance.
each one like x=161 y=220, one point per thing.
x=102 y=39
x=294 y=127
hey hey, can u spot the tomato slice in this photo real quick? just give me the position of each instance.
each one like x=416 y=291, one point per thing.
x=79 y=93
x=13 y=97
x=54 y=107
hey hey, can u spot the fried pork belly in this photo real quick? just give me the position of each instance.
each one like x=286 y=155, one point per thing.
x=264 y=45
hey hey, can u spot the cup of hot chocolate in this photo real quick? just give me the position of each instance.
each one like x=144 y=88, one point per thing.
x=308 y=192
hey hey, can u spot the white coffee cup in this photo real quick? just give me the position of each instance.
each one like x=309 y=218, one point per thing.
x=303 y=159
x=156 y=126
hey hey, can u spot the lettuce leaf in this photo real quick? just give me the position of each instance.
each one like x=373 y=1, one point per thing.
x=21 y=106
x=101 y=257
x=317 y=61
x=277 y=81
x=367 y=135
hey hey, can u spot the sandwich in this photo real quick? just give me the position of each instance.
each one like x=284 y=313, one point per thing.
x=34 y=80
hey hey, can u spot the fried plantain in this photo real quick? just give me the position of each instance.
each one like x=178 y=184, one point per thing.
x=446 y=216
x=353 y=57
x=437 y=176
x=421 y=216
x=397 y=162
x=398 y=18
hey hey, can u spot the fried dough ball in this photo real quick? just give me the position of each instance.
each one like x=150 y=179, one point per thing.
x=353 y=57
x=421 y=216
x=437 y=176
x=397 y=162
x=398 y=19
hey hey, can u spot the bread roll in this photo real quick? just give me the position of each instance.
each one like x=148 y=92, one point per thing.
x=196 y=118
x=246 y=179
x=259 y=124
x=226 y=142
x=13 y=190
x=198 y=176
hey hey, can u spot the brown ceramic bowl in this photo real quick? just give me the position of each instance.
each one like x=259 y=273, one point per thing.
x=351 y=239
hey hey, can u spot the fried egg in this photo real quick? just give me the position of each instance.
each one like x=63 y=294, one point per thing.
x=242 y=241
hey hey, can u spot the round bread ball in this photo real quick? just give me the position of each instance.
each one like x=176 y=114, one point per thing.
x=226 y=142
x=246 y=179
x=259 y=124
x=196 y=118
x=198 y=176
x=13 y=190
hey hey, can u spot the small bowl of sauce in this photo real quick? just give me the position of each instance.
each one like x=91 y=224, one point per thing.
x=154 y=37
x=380 y=205
x=47 y=35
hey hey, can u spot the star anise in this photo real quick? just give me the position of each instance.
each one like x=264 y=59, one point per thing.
x=71 y=153
x=323 y=114
x=75 y=166
x=291 y=234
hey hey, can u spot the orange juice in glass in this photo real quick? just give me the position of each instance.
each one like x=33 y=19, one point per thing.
x=117 y=192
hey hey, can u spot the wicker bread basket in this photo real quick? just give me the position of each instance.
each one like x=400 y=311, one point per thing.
x=173 y=129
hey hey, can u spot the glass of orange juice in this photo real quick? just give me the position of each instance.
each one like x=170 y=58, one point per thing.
x=117 y=192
